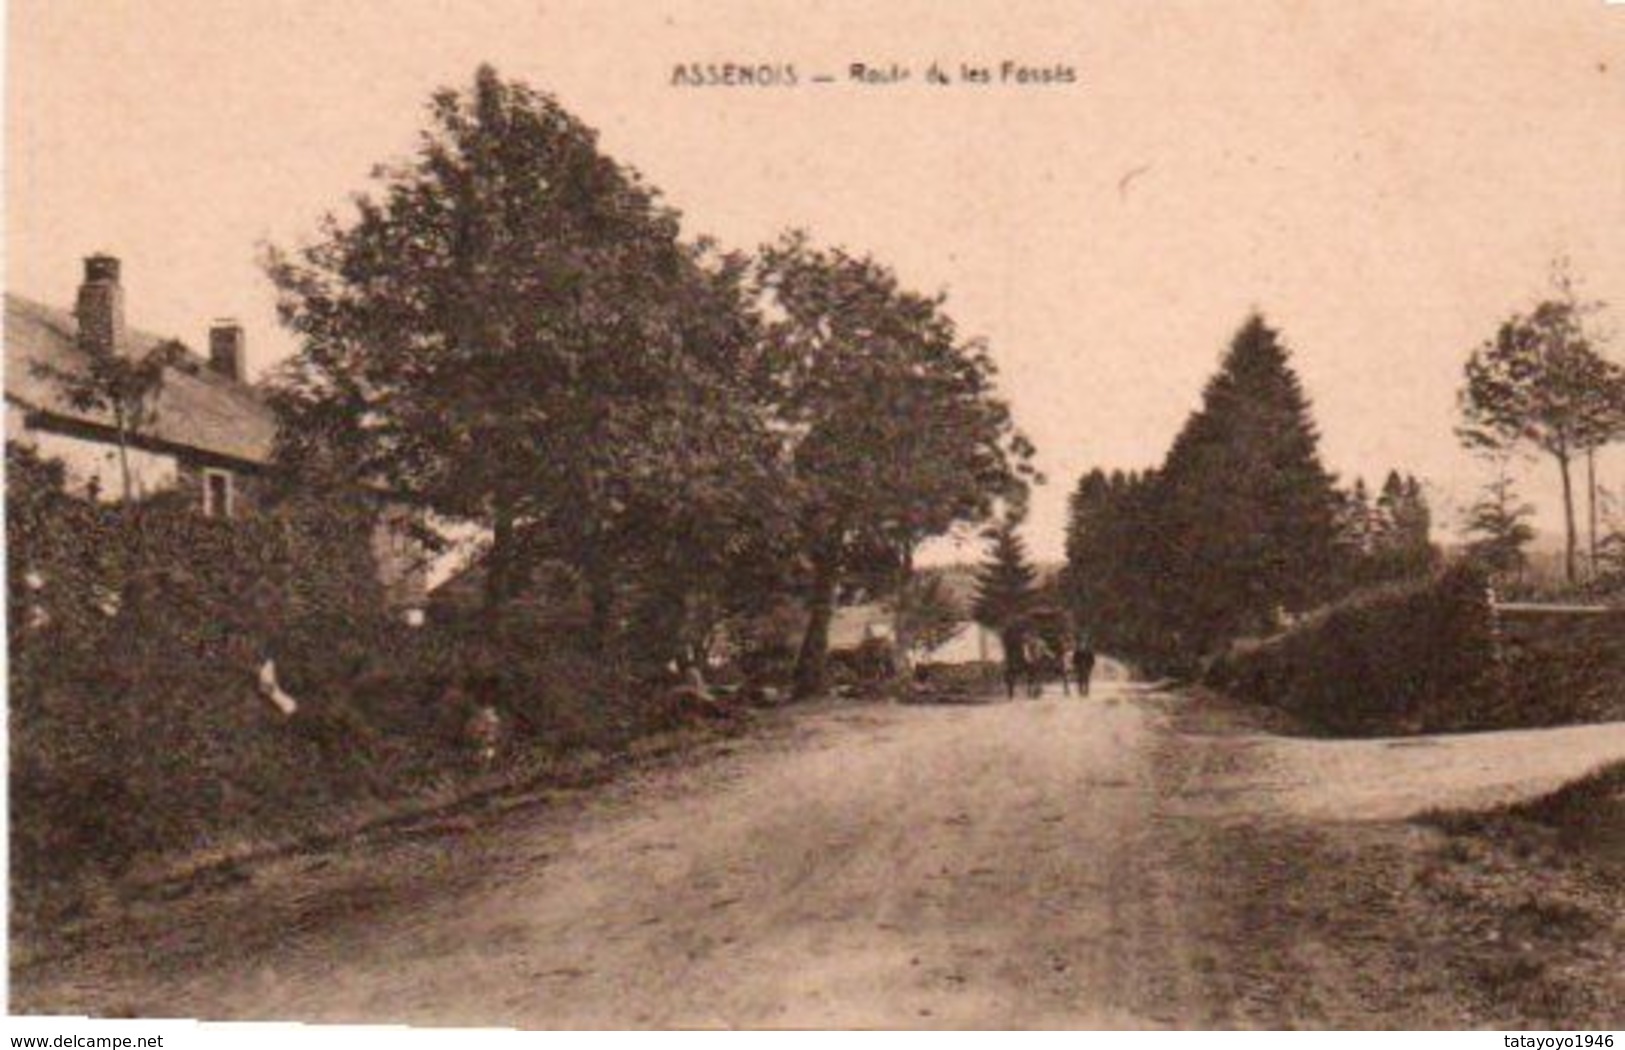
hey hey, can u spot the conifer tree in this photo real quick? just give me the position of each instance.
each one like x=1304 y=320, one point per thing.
x=1389 y=509
x=1498 y=525
x=1248 y=511
x=1356 y=525
x=1413 y=522
x=1004 y=583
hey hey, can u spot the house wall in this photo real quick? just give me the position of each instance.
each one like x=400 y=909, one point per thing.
x=93 y=466
x=247 y=489
x=402 y=561
x=973 y=643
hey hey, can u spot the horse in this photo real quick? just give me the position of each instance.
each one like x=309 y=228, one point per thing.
x=1044 y=664
x=1030 y=662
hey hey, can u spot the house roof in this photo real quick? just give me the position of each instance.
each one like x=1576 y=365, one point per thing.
x=197 y=408
x=852 y=625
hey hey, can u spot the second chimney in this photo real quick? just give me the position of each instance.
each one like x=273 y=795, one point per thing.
x=227 y=347
x=100 y=309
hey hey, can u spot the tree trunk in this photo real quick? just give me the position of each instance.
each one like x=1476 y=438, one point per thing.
x=810 y=662
x=1591 y=507
x=902 y=618
x=1571 y=533
x=123 y=453
x=499 y=564
x=600 y=608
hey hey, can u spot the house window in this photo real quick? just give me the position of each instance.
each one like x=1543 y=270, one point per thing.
x=216 y=494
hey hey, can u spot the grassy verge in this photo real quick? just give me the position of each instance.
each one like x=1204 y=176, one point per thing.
x=1534 y=895
x=44 y=924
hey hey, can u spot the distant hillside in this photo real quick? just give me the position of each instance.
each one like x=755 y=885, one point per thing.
x=1545 y=555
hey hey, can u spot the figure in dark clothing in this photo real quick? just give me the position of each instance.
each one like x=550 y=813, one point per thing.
x=1083 y=665
x=1015 y=663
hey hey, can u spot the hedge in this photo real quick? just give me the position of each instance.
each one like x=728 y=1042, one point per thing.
x=135 y=635
x=1565 y=669
x=1414 y=657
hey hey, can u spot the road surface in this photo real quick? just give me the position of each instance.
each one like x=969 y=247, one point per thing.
x=1129 y=860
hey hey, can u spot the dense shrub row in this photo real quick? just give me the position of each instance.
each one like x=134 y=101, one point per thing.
x=136 y=634
x=1565 y=669
x=1404 y=658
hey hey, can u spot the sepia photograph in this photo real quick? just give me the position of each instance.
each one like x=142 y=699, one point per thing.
x=675 y=515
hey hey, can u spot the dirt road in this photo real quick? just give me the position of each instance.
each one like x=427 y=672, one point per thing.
x=1121 y=861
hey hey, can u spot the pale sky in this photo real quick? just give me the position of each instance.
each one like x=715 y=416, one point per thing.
x=1385 y=181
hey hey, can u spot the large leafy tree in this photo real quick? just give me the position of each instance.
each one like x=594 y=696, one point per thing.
x=1541 y=383
x=509 y=329
x=1247 y=511
x=891 y=427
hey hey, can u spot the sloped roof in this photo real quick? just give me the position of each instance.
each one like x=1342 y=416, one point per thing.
x=852 y=625
x=197 y=408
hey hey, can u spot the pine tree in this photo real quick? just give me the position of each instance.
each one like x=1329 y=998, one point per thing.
x=1356 y=524
x=1402 y=547
x=1414 y=526
x=1389 y=510
x=1004 y=583
x=1088 y=509
x=1111 y=559
x=1248 y=511
x=1499 y=525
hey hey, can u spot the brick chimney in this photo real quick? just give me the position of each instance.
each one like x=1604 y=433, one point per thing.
x=100 y=309
x=227 y=349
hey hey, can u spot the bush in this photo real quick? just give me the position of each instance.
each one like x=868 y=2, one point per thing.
x=1404 y=658
x=1565 y=668
x=554 y=693
x=136 y=636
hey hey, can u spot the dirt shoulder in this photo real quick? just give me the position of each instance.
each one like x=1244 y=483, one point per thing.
x=1433 y=880
x=1533 y=895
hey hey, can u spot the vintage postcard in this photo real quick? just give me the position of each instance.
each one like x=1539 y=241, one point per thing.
x=672 y=514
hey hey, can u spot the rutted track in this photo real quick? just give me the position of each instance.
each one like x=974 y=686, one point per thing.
x=1073 y=863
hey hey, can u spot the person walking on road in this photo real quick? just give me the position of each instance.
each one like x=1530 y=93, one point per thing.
x=1015 y=662
x=1083 y=664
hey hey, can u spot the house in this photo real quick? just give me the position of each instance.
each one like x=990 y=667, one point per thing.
x=211 y=436
x=854 y=625
x=972 y=643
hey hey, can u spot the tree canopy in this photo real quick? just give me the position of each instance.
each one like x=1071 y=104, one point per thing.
x=1248 y=510
x=1005 y=581
x=1240 y=523
x=510 y=330
x=892 y=429
x=1541 y=383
